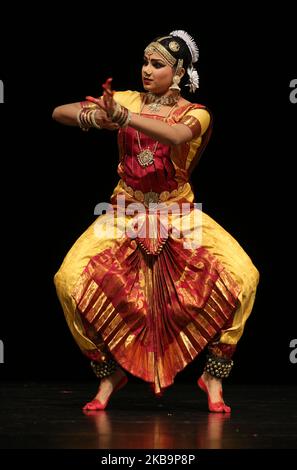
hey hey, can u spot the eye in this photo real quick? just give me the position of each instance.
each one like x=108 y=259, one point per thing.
x=158 y=65
x=145 y=61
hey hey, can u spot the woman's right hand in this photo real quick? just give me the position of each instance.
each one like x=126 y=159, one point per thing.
x=101 y=115
x=104 y=121
x=67 y=114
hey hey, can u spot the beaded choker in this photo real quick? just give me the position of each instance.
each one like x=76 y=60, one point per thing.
x=155 y=102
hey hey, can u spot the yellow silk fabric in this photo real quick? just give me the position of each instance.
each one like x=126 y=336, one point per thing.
x=214 y=238
x=90 y=308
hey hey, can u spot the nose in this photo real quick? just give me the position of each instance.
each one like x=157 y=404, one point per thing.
x=147 y=70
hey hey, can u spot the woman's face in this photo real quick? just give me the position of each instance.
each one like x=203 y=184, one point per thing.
x=156 y=74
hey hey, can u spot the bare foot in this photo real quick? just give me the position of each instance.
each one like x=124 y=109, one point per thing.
x=214 y=387
x=107 y=384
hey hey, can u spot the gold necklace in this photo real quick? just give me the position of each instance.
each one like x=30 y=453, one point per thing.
x=155 y=102
x=146 y=156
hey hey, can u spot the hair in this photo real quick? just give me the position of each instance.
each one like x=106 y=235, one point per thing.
x=183 y=53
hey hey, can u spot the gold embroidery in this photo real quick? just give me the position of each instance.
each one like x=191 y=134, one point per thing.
x=193 y=124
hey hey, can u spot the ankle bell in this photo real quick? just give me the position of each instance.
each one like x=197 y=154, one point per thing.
x=218 y=366
x=104 y=368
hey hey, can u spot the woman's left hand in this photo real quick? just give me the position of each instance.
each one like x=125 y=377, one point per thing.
x=106 y=102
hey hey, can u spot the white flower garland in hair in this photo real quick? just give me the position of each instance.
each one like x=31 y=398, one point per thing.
x=193 y=48
x=189 y=41
x=193 y=79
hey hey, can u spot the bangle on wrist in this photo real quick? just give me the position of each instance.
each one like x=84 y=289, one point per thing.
x=121 y=115
x=86 y=119
x=81 y=118
x=93 y=119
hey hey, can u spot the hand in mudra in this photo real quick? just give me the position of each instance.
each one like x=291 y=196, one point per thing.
x=108 y=100
x=107 y=104
x=105 y=122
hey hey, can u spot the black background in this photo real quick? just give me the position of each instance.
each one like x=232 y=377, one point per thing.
x=53 y=175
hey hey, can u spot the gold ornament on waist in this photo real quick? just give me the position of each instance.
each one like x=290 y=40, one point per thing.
x=152 y=196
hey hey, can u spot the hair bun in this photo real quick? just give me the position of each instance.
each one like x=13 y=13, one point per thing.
x=193 y=48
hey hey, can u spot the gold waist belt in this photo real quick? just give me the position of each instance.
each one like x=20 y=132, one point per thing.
x=152 y=196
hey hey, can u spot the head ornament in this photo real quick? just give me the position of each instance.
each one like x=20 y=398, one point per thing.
x=193 y=82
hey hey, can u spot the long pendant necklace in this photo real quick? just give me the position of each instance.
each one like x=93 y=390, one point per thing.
x=146 y=156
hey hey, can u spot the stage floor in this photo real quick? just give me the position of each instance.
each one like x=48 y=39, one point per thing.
x=49 y=416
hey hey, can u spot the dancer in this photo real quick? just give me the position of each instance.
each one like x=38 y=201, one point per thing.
x=155 y=280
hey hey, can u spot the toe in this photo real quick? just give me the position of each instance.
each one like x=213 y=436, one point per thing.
x=91 y=405
x=227 y=409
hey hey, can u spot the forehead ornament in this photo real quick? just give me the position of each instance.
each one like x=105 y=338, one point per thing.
x=156 y=47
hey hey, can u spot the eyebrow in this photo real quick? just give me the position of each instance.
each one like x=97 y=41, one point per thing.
x=155 y=60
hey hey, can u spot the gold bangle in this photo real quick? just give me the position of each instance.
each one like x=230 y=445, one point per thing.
x=93 y=119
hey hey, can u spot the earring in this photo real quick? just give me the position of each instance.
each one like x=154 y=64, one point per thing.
x=176 y=81
x=176 y=78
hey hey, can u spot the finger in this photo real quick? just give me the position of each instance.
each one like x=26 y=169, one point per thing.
x=108 y=92
x=105 y=95
x=91 y=98
x=99 y=102
x=107 y=86
x=107 y=100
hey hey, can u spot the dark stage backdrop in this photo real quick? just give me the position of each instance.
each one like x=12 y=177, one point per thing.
x=55 y=175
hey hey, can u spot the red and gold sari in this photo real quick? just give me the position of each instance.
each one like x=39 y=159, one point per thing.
x=154 y=302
